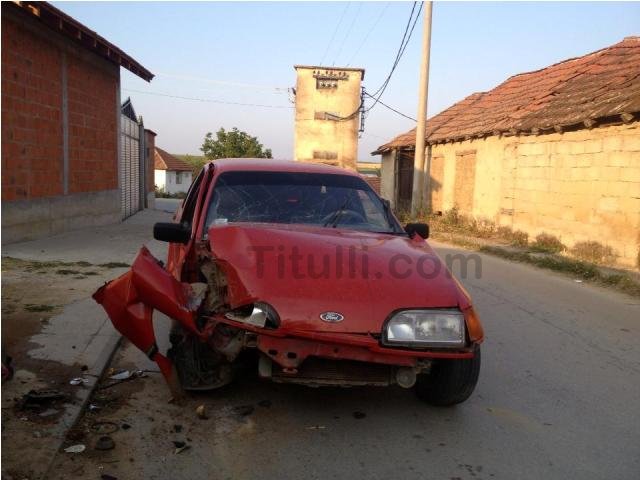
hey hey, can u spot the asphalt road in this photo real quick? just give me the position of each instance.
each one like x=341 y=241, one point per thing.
x=558 y=397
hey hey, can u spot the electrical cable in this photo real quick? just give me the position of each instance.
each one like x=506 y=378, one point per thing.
x=366 y=37
x=207 y=100
x=335 y=31
x=347 y=34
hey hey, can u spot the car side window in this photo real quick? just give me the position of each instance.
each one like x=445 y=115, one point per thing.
x=190 y=201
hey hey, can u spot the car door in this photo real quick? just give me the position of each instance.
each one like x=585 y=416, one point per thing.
x=188 y=214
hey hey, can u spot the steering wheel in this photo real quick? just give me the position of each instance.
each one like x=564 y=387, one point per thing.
x=346 y=217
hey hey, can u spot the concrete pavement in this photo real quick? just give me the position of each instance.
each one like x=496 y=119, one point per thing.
x=557 y=398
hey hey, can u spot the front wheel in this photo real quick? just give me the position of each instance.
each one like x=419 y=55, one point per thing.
x=450 y=381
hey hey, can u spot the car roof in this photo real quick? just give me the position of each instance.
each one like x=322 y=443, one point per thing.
x=273 y=165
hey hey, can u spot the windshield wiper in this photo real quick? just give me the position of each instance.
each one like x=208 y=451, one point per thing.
x=335 y=218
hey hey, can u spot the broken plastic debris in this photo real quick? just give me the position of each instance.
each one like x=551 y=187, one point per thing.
x=105 y=443
x=180 y=447
x=79 y=381
x=201 y=411
x=93 y=408
x=79 y=448
x=123 y=375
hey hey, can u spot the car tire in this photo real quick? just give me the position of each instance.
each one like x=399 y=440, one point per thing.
x=450 y=381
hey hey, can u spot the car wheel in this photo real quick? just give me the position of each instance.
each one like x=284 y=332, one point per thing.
x=450 y=381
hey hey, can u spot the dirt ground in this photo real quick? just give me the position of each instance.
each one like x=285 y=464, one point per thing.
x=33 y=293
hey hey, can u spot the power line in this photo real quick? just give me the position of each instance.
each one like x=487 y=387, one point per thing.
x=391 y=108
x=348 y=32
x=335 y=31
x=206 y=100
x=403 y=44
x=366 y=37
x=282 y=90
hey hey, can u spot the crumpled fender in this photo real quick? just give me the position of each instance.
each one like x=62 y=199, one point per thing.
x=130 y=299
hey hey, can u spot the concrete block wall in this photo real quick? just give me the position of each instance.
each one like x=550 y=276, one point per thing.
x=59 y=132
x=578 y=186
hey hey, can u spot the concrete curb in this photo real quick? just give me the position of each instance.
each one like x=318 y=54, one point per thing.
x=73 y=414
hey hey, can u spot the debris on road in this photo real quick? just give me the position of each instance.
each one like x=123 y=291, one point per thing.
x=316 y=427
x=7 y=369
x=105 y=443
x=201 y=411
x=104 y=427
x=37 y=399
x=121 y=375
x=125 y=426
x=243 y=410
x=180 y=447
x=79 y=381
x=79 y=448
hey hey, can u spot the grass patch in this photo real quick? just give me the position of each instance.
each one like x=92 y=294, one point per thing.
x=583 y=270
x=114 y=265
x=68 y=272
x=30 y=307
x=546 y=243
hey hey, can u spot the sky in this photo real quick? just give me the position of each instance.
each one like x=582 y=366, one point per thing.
x=244 y=52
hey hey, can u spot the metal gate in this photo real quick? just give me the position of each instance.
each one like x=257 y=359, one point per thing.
x=132 y=173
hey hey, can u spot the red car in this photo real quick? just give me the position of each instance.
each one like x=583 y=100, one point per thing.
x=306 y=266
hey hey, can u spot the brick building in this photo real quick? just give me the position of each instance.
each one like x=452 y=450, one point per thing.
x=60 y=122
x=555 y=150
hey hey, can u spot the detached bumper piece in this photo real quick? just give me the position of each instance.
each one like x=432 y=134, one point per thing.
x=130 y=300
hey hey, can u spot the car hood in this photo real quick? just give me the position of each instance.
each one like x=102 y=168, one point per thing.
x=305 y=272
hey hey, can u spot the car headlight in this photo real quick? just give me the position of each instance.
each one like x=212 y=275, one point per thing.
x=426 y=328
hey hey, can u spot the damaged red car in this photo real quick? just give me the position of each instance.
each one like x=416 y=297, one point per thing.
x=307 y=267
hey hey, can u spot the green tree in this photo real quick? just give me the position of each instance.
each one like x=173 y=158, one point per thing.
x=233 y=144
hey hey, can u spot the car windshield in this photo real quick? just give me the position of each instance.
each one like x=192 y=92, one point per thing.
x=328 y=200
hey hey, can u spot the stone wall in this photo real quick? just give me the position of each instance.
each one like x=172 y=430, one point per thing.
x=578 y=186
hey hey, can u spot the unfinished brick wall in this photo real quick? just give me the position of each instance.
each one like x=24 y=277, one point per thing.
x=578 y=186
x=31 y=115
x=93 y=147
x=45 y=80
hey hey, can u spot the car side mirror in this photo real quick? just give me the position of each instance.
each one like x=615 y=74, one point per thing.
x=171 y=232
x=421 y=229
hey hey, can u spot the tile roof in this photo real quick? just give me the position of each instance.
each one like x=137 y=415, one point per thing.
x=165 y=161
x=569 y=94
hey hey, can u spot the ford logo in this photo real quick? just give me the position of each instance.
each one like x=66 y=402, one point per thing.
x=331 y=317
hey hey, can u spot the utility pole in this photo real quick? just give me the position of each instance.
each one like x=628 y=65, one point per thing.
x=419 y=181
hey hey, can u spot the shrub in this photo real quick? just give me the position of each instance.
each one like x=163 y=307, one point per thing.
x=517 y=238
x=547 y=244
x=452 y=217
x=593 y=252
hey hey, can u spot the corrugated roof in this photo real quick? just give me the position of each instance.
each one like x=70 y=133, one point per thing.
x=569 y=94
x=165 y=161
x=80 y=34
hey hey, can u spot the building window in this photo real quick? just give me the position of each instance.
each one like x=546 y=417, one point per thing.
x=324 y=155
x=178 y=178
